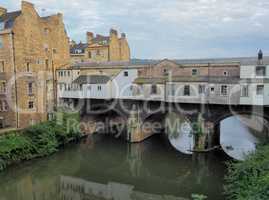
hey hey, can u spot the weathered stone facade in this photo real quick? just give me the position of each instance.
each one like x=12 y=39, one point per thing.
x=101 y=48
x=33 y=47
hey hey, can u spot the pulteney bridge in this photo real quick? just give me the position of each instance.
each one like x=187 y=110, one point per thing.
x=141 y=119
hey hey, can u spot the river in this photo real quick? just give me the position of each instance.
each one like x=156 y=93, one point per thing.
x=102 y=167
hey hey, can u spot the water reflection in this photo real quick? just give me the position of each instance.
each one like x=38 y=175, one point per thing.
x=79 y=189
x=240 y=135
x=102 y=168
x=179 y=132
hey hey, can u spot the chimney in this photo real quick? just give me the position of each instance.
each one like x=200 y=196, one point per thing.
x=113 y=32
x=3 y=11
x=123 y=35
x=260 y=57
x=89 y=37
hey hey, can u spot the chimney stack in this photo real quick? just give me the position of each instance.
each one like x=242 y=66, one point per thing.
x=123 y=35
x=3 y=11
x=113 y=32
x=260 y=57
x=90 y=36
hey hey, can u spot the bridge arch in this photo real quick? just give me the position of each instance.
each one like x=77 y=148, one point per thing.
x=238 y=134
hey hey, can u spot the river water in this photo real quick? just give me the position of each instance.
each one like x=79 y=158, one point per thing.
x=102 y=167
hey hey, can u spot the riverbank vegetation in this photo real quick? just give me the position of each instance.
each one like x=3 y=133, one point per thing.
x=249 y=180
x=39 y=140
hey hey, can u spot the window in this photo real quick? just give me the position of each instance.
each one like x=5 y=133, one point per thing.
x=28 y=67
x=78 y=51
x=80 y=87
x=2 y=66
x=224 y=90
x=68 y=73
x=194 y=72
x=98 y=52
x=46 y=47
x=1 y=42
x=54 y=51
x=244 y=91
x=31 y=105
x=260 y=71
x=201 y=89
x=30 y=88
x=212 y=89
x=90 y=54
x=99 y=88
x=186 y=90
x=3 y=88
x=225 y=73
x=89 y=87
x=2 y=26
x=154 y=89
x=64 y=73
x=260 y=90
x=126 y=73
x=47 y=64
x=46 y=31
x=3 y=105
x=165 y=72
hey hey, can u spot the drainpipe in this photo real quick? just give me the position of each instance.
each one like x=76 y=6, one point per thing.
x=15 y=75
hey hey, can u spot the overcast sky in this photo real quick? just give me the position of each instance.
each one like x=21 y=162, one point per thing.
x=168 y=28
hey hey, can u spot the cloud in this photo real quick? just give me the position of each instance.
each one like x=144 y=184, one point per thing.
x=174 y=28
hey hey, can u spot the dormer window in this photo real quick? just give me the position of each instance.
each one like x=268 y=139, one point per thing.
x=78 y=51
x=260 y=71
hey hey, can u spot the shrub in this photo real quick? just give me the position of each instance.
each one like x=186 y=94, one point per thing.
x=249 y=180
x=36 y=141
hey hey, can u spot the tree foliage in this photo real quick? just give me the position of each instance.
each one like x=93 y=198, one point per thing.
x=38 y=140
x=249 y=180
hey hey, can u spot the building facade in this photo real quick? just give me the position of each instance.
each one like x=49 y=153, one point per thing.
x=217 y=82
x=101 y=48
x=31 y=49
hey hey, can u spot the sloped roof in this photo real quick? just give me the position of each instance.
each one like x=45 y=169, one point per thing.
x=92 y=79
x=241 y=60
x=9 y=18
x=80 y=46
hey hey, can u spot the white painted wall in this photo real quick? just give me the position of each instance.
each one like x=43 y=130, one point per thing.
x=91 y=91
x=122 y=86
x=253 y=98
x=249 y=71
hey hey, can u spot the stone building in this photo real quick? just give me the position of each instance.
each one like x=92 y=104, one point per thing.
x=101 y=48
x=31 y=49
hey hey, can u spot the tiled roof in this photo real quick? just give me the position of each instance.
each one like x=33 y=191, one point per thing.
x=78 y=47
x=92 y=79
x=9 y=18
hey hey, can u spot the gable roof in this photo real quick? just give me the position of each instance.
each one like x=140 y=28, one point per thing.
x=9 y=18
x=92 y=79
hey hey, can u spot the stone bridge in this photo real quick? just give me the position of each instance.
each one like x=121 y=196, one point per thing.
x=142 y=119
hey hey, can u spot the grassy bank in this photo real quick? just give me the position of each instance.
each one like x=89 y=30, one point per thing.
x=39 y=140
x=249 y=180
